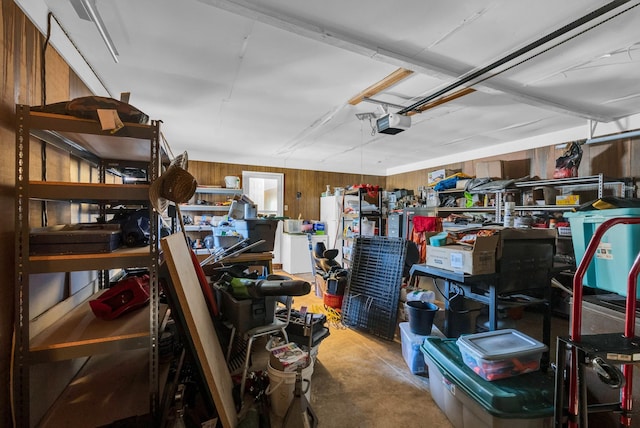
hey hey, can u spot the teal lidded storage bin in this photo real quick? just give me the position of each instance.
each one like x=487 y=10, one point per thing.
x=616 y=252
x=469 y=401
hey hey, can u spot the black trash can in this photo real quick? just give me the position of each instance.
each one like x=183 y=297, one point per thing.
x=421 y=316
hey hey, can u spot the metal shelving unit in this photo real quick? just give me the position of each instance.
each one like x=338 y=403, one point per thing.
x=480 y=209
x=207 y=209
x=71 y=330
x=377 y=216
x=594 y=183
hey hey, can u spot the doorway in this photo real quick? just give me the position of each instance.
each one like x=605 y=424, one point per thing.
x=266 y=190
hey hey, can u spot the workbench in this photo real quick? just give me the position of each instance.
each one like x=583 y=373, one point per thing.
x=486 y=289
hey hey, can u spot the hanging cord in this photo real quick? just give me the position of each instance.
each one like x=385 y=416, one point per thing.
x=43 y=61
x=43 y=154
x=50 y=16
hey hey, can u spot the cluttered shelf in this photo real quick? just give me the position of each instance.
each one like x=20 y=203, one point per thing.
x=55 y=321
x=87 y=137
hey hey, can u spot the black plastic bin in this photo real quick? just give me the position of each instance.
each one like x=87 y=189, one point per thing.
x=256 y=230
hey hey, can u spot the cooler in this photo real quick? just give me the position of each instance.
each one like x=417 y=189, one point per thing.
x=616 y=252
x=524 y=401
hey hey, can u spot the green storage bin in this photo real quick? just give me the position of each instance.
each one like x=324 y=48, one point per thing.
x=609 y=268
x=469 y=401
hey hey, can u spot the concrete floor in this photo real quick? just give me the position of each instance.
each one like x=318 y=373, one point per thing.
x=360 y=380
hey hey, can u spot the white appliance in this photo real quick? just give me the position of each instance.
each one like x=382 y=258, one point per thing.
x=331 y=210
x=296 y=255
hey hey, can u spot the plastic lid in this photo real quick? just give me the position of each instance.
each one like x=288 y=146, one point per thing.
x=500 y=344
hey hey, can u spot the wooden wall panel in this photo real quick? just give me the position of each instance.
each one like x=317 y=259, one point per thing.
x=20 y=83
x=309 y=183
x=613 y=159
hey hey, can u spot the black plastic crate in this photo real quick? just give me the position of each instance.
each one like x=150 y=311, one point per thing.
x=247 y=313
x=79 y=238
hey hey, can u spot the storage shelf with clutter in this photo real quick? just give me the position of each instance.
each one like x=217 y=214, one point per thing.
x=362 y=217
x=206 y=217
x=66 y=330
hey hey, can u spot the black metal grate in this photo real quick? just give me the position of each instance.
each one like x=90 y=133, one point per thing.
x=371 y=298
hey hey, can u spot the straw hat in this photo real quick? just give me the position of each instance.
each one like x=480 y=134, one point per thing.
x=176 y=184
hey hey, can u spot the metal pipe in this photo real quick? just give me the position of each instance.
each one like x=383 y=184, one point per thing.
x=545 y=39
x=92 y=11
x=614 y=137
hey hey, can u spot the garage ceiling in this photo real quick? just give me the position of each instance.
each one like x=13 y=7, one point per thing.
x=269 y=83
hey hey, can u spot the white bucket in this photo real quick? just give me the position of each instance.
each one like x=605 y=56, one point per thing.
x=282 y=385
x=232 y=182
x=367 y=228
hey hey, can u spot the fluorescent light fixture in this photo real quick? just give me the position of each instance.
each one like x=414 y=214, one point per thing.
x=86 y=9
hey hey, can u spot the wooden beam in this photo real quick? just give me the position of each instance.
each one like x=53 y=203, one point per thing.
x=460 y=93
x=390 y=80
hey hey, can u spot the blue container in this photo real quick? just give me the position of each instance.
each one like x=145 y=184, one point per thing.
x=411 y=352
x=618 y=248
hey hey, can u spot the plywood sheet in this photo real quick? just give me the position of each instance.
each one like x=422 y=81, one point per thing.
x=202 y=335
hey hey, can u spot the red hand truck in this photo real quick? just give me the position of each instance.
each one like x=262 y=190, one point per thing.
x=602 y=352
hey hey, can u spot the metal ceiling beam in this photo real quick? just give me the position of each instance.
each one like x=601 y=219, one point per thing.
x=335 y=38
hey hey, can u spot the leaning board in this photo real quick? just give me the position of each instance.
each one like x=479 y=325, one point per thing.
x=199 y=326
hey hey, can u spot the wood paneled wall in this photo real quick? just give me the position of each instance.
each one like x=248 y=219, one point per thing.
x=618 y=159
x=310 y=184
x=20 y=83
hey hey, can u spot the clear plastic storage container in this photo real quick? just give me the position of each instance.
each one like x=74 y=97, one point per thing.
x=500 y=354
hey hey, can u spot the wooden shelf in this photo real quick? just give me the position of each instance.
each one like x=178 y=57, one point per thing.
x=86 y=136
x=120 y=258
x=88 y=192
x=79 y=334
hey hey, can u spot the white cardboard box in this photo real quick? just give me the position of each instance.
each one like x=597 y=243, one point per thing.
x=478 y=259
x=434 y=176
x=288 y=357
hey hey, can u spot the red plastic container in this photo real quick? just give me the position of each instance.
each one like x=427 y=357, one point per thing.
x=332 y=300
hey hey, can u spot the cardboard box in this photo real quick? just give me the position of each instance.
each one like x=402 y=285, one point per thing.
x=439 y=174
x=493 y=169
x=568 y=200
x=288 y=357
x=478 y=259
